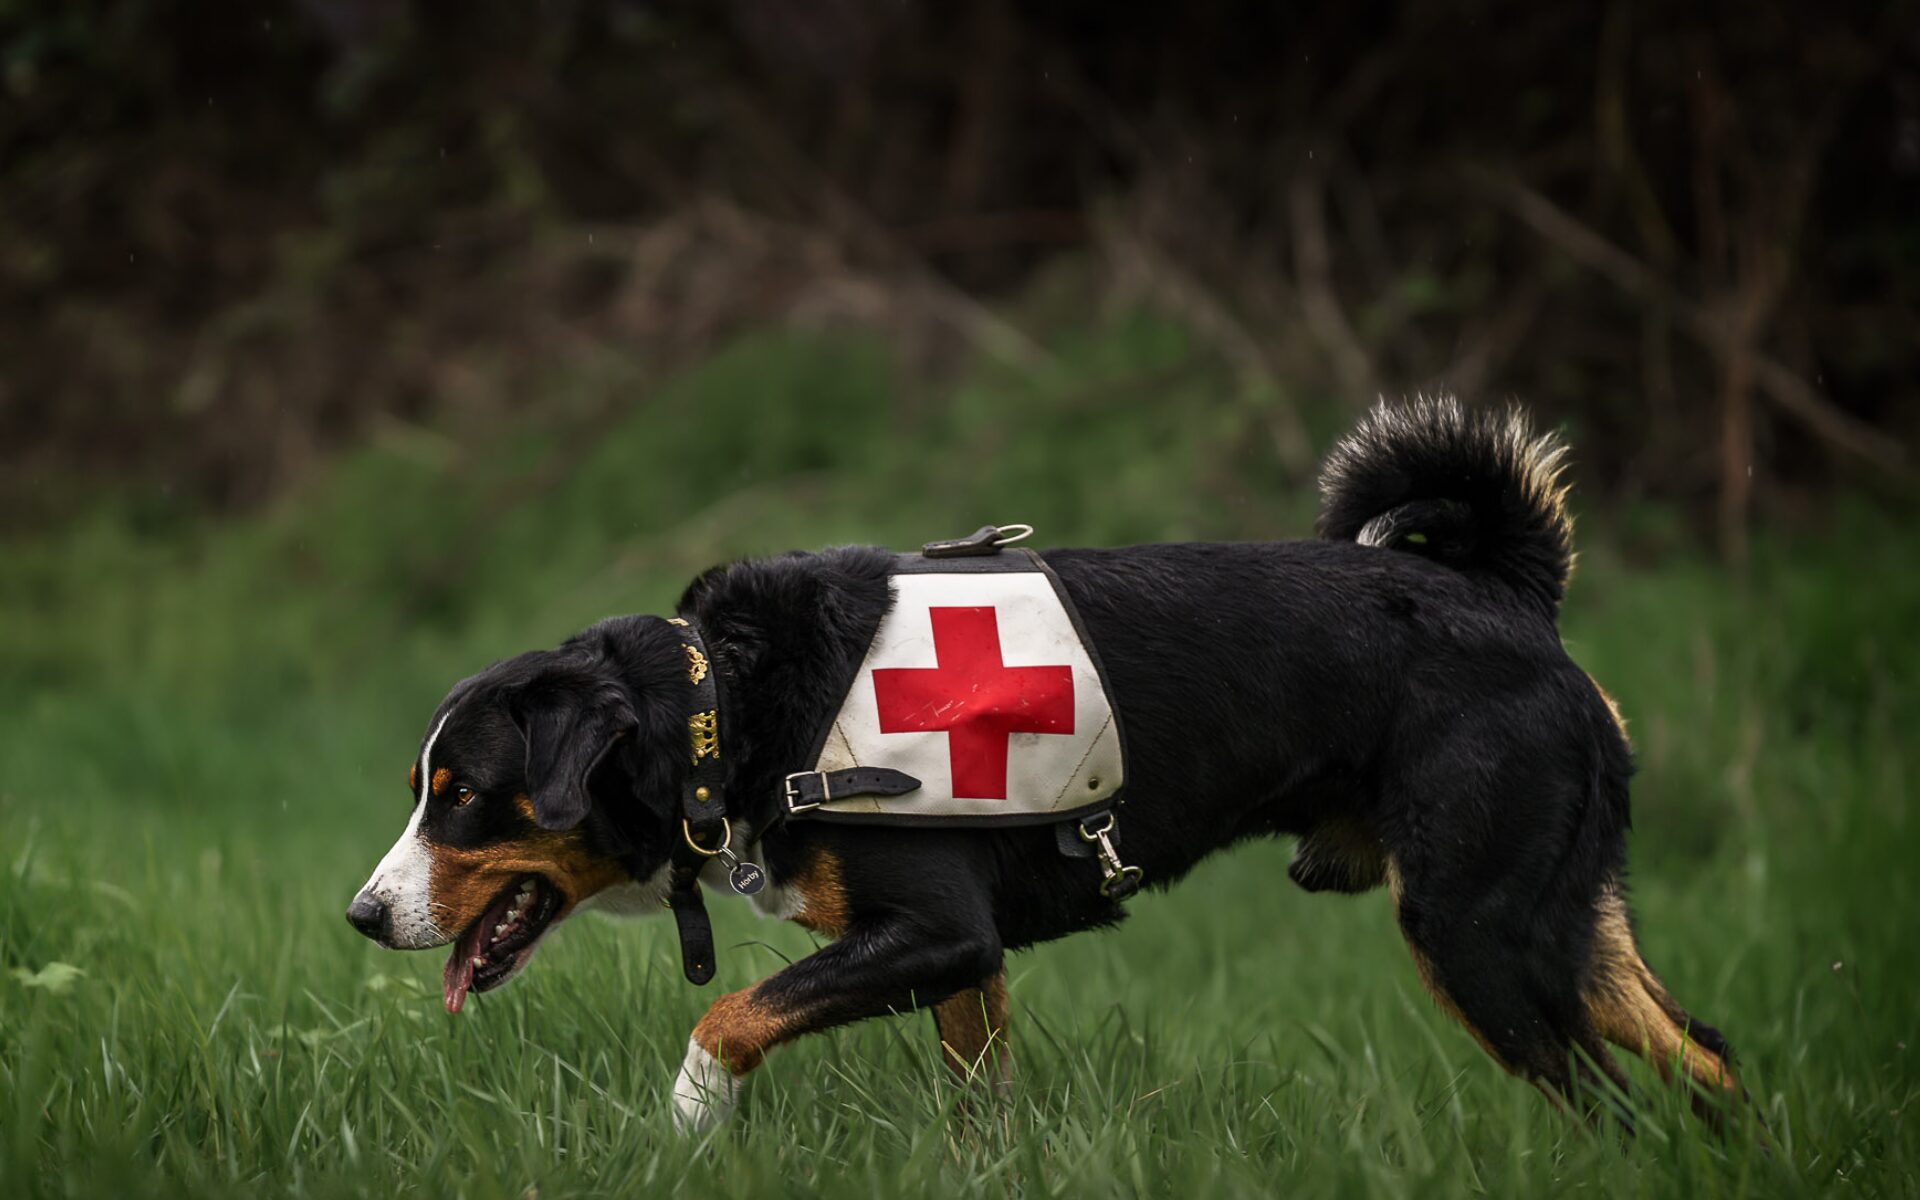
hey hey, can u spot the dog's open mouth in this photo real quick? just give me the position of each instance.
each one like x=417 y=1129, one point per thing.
x=495 y=947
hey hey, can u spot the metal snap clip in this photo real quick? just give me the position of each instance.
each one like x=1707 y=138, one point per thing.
x=1117 y=880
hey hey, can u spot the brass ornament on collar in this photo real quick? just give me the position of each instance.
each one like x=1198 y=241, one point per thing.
x=703 y=731
x=696 y=665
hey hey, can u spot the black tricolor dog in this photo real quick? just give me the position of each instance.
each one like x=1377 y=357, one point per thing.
x=1395 y=694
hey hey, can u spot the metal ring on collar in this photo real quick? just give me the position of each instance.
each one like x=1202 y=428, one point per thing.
x=1007 y=535
x=726 y=838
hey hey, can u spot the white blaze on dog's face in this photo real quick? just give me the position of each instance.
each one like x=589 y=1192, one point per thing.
x=474 y=865
x=402 y=882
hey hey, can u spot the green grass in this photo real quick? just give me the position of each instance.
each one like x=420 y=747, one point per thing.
x=204 y=732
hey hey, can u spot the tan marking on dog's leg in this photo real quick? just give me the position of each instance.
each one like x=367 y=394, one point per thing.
x=973 y=1032
x=1632 y=1009
x=738 y=1030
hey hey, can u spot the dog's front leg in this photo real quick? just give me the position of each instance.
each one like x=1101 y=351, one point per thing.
x=972 y=1025
x=890 y=966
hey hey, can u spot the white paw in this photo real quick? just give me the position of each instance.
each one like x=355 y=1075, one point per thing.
x=705 y=1093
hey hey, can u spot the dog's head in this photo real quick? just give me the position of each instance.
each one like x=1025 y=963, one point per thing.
x=542 y=782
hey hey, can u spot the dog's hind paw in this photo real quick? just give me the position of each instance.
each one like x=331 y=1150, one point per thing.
x=705 y=1093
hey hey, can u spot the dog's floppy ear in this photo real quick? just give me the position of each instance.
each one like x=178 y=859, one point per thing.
x=569 y=728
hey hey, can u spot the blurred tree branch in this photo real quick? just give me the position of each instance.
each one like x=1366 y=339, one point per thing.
x=1794 y=395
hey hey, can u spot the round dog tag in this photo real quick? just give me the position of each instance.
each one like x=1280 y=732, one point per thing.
x=747 y=878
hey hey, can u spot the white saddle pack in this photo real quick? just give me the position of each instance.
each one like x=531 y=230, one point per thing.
x=979 y=684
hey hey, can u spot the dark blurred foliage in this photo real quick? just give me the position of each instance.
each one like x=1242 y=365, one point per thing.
x=236 y=236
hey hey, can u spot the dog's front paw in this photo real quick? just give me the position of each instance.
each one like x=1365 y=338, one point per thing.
x=705 y=1093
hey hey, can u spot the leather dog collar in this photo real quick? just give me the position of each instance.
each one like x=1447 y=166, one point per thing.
x=705 y=831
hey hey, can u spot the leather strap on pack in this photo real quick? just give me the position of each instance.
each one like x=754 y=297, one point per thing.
x=807 y=790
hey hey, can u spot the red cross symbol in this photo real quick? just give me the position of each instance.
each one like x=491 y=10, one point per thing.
x=974 y=698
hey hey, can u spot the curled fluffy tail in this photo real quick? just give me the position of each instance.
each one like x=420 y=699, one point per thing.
x=1476 y=489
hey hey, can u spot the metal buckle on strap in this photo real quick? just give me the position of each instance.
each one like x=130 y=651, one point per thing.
x=794 y=802
x=1117 y=881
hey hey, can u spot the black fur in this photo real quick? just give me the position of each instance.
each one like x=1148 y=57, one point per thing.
x=1405 y=707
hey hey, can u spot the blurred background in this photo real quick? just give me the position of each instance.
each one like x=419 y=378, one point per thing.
x=344 y=325
x=348 y=345
x=234 y=247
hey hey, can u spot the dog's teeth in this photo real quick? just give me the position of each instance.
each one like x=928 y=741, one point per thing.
x=499 y=929
x=478 y=962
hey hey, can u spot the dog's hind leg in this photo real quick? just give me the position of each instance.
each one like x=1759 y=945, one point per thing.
x=1631 y=1008
x=1491 y=967
x=973 y=1032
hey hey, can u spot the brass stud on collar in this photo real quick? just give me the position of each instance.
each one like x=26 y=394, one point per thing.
x=702 y=794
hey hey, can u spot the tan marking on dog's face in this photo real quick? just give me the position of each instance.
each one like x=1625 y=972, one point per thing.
x=823 y=907
x=413 y=780
x=464 y=882
x=441 y=778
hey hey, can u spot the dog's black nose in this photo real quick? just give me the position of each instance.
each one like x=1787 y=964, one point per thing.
x=370 y=916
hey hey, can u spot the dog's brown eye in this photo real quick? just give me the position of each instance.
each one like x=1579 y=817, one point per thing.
x=462 y=796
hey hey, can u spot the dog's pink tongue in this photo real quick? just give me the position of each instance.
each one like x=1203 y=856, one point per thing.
x=459 y=973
